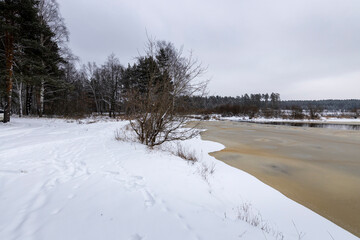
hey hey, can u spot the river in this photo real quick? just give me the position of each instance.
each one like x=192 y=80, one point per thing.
x=317 y=167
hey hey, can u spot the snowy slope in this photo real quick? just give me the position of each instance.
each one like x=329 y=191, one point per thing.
x=65 y=180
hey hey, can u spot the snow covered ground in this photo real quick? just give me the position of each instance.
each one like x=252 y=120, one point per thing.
x=73 y=180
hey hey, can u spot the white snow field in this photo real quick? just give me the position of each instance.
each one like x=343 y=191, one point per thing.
x=64 y=180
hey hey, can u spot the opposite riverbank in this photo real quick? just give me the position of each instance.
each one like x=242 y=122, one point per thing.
x=319 y=168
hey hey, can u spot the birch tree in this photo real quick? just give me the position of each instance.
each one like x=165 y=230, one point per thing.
x=111 y=76
x=88 y=73
x=49 y=15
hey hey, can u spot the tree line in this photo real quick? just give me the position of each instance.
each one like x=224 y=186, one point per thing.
x=268 y=105
x=244 y=104
x=330 y=104
x=39 y=76
x=40 y=73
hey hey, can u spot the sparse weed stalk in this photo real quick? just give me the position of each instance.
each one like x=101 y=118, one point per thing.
x=206 y=170
x=124 y=134
x=299 y=233
x=186 y=154
x=247 y=214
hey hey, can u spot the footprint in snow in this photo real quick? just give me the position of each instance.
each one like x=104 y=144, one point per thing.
x=112 y=173
x=135 y=237
x=148 y=198
x=70 y=196
x=55 y=211
x=137 y=177
x=135 y=183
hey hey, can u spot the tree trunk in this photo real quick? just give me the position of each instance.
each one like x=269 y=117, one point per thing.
x=29 y=89
x=95 y=99
x=20 y=100
x=19 y=92
x=112 y=109
x=9 y=57
x=41 y=98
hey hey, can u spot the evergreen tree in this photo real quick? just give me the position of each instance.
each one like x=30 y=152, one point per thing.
x=18 y=23
x=32 y=54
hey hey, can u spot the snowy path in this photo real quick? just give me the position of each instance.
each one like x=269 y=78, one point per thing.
x=62 y=180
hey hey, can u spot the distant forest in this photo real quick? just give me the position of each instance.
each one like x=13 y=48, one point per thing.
x=273 y=101
x=330 y=105
x=269 y=105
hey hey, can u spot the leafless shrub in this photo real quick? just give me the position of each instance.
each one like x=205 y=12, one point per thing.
x=217 y=118
x=185 y=153
x=162 y=81
x=123 y=117
x=125 y=134
x=205 y=117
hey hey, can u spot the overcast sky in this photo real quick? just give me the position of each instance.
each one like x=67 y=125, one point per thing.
x=302 y=49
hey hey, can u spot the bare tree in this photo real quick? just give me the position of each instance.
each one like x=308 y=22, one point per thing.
x=88 y=73
x=49 y=15
x=110 y=77
x=104 y=83
x=161 y=80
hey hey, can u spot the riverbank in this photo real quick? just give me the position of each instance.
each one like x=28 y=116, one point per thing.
x=319 y=168
x=66 y=179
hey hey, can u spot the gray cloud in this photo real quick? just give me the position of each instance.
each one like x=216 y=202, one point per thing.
x=302 y=49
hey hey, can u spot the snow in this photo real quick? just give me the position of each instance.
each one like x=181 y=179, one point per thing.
x=63 y=179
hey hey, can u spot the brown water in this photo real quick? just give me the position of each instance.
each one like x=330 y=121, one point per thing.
x=313 y=125
x=319 y=168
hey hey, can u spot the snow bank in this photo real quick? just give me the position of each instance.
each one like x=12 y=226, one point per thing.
x=72 y=180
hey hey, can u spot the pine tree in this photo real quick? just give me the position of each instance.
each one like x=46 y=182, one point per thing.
x=18 y=17
x=9 y=29
x=31 y=52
